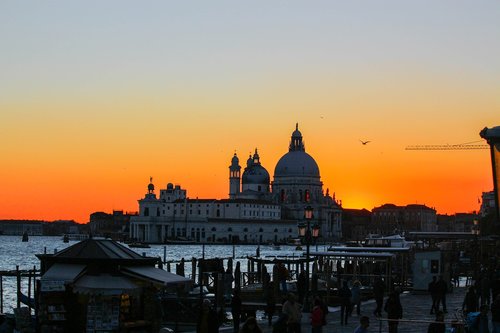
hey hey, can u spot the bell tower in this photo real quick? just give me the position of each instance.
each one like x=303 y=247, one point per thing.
x=234 y=177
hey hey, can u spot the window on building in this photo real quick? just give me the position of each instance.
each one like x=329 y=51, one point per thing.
x=146 y=211
x=229 y=229
x=214 y=229
x=218 y=213
x=307 y=196
x=245 y=230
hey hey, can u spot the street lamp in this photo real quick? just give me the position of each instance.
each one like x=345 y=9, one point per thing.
x=492 y=136
x=308 y=233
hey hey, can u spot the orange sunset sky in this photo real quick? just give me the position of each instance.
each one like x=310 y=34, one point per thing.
x=96 y=97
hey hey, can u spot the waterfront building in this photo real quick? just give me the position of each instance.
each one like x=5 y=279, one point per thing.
x=390 y=218
x=18 y=228
x=113 y=225
x=257 y=210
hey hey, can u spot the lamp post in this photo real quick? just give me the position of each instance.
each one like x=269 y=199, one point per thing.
x=308 y=233
x=492 y=136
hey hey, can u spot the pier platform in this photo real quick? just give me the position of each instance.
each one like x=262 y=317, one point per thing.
x=416 y=310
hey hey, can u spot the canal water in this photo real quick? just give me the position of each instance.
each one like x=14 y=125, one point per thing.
x=23 y=254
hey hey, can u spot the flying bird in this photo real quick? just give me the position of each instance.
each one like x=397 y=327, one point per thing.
x=364 y=142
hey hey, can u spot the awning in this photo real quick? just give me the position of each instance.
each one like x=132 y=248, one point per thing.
x=58 y=275
x=63 y=272
x=155 y=275
x=104 y=284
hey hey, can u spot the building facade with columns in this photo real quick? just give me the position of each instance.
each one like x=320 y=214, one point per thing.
x=256 y=211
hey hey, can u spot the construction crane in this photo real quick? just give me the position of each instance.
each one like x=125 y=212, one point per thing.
x=461 y=146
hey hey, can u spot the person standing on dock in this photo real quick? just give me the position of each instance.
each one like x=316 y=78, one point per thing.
x=208 y=322
x=441 y=290
x=236 y=310
x=394 y=311
x=293 y=312
x=364 y=323
x=345 y=303
x=495 y=314
x=431 y=288
x=438 y=325
x=378 y=293
x=317 y=316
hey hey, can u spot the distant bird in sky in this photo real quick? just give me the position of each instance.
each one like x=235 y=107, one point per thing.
x=364 y=142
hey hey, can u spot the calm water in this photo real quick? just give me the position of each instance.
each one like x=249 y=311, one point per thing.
x=14 y=252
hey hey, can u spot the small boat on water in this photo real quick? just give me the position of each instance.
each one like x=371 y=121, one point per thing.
x=180 y=240
x=374 y=240
x=139 y=245
x=74 y=237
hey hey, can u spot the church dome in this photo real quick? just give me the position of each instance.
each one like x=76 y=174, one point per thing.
x=296 y=163
x=255 y=173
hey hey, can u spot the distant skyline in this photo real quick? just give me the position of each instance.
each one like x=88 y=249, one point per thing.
x=96 y=97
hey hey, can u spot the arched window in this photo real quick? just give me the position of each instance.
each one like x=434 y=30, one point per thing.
x=307 y=196
x=261 y=230
x=245 y=230
x=229 y=229
x=289 y=230
x=275 y=230
x=214 y=229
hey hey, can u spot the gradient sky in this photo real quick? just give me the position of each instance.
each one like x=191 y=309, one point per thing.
x=97 y=96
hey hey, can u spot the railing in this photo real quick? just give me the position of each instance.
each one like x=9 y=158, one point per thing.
x=456 y=326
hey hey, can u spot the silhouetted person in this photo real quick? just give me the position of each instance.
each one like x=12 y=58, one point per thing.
x=481 y=324
x=301 y=286
x=438 y=325
x=378 y=294
x=236 y=310
x=470 y=303
x=293 y=312
x=441 y=290
x=250 y=326
x=345 y=303
x=270 y=306
x=364 y=323
x=208 y=321
x=495 y=314
x=431 y=288
x=356 y=297
x=394 y=311
x=485 y=290
x=317 y=317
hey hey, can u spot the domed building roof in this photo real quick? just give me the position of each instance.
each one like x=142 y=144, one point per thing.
x=296 y=162
x=255 y=173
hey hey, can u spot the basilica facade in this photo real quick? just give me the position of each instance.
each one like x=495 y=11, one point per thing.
x=258 y=210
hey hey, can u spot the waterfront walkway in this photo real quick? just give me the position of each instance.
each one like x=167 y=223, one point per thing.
x=416 y=307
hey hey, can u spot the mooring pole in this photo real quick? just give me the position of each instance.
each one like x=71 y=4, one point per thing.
x=18 y=278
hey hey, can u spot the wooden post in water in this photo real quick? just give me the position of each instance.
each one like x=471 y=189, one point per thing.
x=1 y=293
x=29 y=291
x=193 y=268
x=18 y=278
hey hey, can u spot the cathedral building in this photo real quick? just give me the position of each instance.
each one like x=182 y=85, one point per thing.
x=257 y=210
